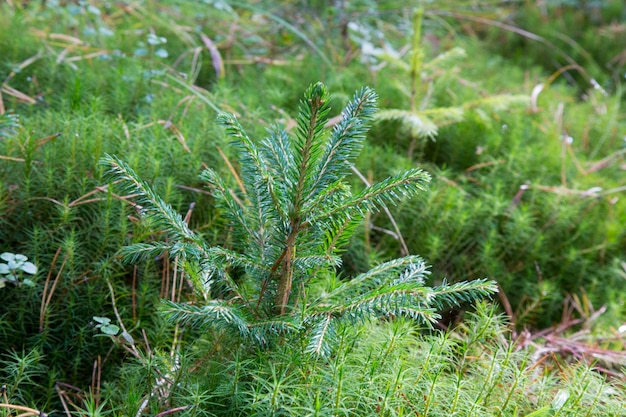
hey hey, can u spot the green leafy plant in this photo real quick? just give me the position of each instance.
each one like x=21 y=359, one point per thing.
x=14 y=269
x=105 y=326
x=423 y=119
x=291 y=216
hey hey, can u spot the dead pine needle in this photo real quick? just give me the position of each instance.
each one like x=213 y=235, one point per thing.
x=48 y=292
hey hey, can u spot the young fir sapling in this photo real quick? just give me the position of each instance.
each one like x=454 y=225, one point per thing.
x=291 y=214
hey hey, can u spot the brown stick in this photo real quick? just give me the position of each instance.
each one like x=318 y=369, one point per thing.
x=61 y=394
x=29 y=411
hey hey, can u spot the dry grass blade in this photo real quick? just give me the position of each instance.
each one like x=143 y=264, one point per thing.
x=167 y=124
x=179 y=274
x=605 y=162
x=66 y=38
x=86 y=56
x=48 y=292
x=232 y=170
x=63 y=398
x=42 y=141
x=133 y=295
x=165 y=275
x=260 y=60
x=506 y=304
x=288 y=26
x=484 y=165
x=582 y=351
x=83 y=199
x=216 y=57
x=196 y=91
x=17 y=94
x=174 y=410
x=193 y=189
x=10 y=158
x=19 y=67
x=580 y=346
x=95 y=380
x=29 y=411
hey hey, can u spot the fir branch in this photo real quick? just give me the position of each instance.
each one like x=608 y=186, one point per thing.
x=216 y=272
x=333 y=195
x=295 y=214
x=383 y=300
x=136 y=252
x=254 y=173
x=415 y=272
x=311 y=120
x=346 y=141
x=337 y=237
x=372 y=198
x=221 y=315
x=374 y=277
x=276 y=150
x=215 y=314
x=412 y=299
x=443 y=116
x=322 y=328
x=261 y=330
x=312 y=116
x=164 y=216
x=447 y=295
x=225 y=256
x=316 y=261
x=235 y=209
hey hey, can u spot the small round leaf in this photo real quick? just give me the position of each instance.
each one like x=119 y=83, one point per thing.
x=128 y=338
x=101 y=320
x=20 y=258
x=111 y=329
x=29 y=268
x=7 y=256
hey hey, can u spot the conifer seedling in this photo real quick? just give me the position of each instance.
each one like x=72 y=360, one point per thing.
x=291 y=215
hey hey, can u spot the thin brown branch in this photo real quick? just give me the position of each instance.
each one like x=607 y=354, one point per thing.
x=62 y=398
x=232 y=170
x=29 y=411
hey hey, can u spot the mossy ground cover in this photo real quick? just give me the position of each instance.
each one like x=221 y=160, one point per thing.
x=528 y=192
